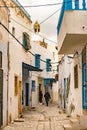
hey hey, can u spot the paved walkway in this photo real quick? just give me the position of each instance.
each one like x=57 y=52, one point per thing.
x=40 y=118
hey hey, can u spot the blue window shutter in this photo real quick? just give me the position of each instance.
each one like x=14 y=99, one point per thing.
x=84 y=80
x=37 y=61
x=48 y=63
x=24 y=40
x=33 y=85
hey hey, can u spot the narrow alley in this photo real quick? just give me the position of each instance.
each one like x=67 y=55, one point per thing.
x=42 y=118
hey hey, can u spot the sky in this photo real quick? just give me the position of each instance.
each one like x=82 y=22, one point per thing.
x=47 y=27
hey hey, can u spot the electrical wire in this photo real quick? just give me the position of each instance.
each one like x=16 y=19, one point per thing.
x=33 y=31
x=27 y=6
x=44 y=19
x=50 y=16
x=33 y=6
x=19 y=41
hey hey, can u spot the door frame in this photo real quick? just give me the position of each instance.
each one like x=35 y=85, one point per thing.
x=27 y=94
x=1 y=96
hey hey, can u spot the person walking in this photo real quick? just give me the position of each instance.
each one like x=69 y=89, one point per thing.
x=47 y=97
x=40 y=96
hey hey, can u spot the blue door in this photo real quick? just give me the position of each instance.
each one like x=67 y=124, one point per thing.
x=27 y=94
x=84 y=83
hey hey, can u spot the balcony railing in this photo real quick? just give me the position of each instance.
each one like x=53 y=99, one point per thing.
x=70 y=5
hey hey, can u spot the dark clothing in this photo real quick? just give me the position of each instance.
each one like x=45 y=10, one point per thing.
x=47 y=97
x=40 y=96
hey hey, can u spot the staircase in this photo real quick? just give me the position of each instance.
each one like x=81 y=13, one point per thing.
x=79 y=123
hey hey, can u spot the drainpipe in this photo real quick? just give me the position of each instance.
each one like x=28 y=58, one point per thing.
x=7 y=79
x=8 y=67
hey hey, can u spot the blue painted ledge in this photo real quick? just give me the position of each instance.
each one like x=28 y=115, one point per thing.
x=67 y=5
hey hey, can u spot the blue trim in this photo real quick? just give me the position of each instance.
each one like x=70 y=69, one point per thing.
x=30 y=67
x=67 y=6
x=25 y=41
x=61 y=17
x=33 y=85
x=37 y=61
x=48 y=80
x=48 y=65
x=84 y=5
x=76 y=4
x=84 y=83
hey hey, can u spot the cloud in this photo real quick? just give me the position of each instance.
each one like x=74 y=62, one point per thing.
x=49 y=26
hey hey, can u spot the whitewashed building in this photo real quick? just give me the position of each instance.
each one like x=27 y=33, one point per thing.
x=54 y=51
x=45 y=79
x=29 y=63
x=19 y=44
x=72 y=39
x=4 y=12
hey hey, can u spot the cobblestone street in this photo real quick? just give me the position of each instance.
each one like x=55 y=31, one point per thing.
x=41 y=118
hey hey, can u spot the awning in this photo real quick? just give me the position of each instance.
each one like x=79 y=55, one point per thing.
x=30 y=67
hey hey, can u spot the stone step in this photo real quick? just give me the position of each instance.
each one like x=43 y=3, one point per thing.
x=83 y=121
x=19 y=120
x=75 y=123
x=67 y=127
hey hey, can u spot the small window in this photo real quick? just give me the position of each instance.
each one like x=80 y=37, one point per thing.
x=13 y=30
x=15 y=85
x=0 y=59
x=26 y=41
x=33 y=85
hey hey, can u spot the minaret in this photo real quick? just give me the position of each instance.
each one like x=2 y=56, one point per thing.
x=36 y=27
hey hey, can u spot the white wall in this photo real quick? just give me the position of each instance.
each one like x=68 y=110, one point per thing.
x=17 y=54
x=3 y=48
x=45 y=53
x=75 y=94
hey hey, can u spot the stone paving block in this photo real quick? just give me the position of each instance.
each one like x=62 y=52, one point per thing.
x=67 y=127
x=43 y=118
x=47 y=125
x=40 y=126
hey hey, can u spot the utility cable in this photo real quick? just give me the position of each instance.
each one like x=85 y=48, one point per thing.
x=44 y=19
x=18 y=40
x=27 y=6
x=11 y=33
x=50 y=16
x=33 y=31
